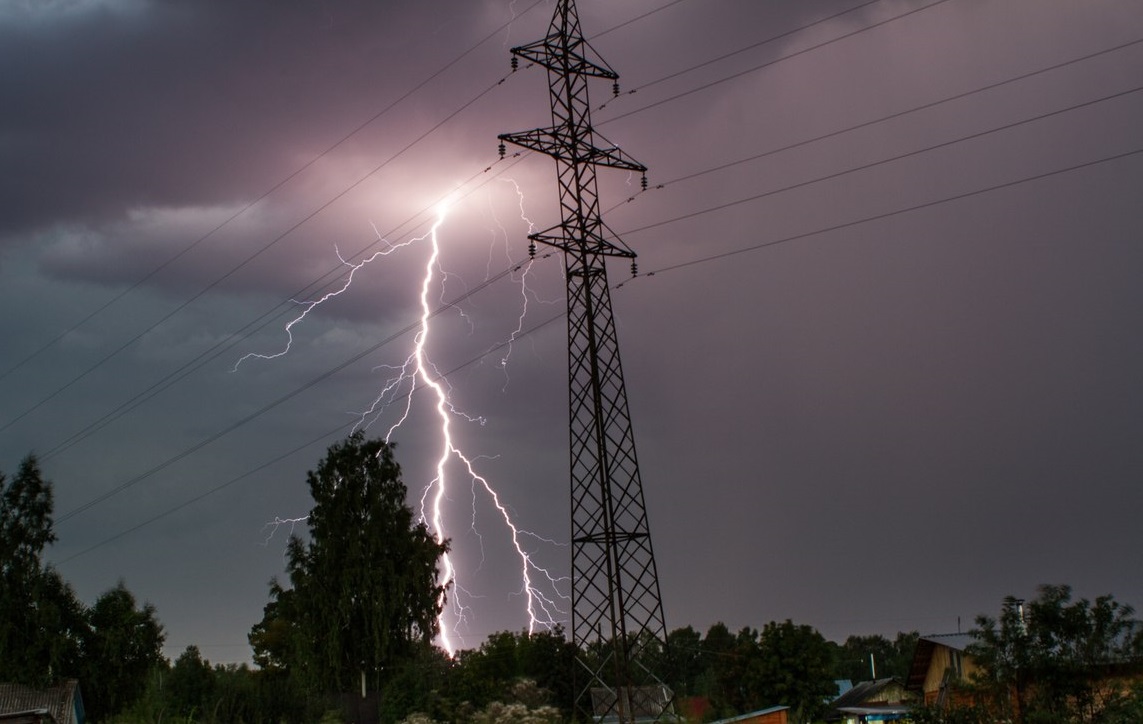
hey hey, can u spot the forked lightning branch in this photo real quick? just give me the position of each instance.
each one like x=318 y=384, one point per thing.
x=544 y=604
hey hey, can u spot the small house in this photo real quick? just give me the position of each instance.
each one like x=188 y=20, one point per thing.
x=59 y=704
x=871 y=701
x=940 y=662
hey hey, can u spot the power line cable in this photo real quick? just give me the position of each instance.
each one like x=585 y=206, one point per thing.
x=282 y=399
x=303 y=446
x=637 y=18
x=891 y=159
x=767 y=64
x=890 y=117
x=733 y=53
x=205 y=494
x=881 y=216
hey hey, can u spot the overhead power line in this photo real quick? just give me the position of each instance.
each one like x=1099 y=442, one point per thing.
x=637 y=18
x=885 y=215
x=767 y=64
x=892 y=116
x=884 y=161
x=280 y=400
x=727 y=56
x=309 y=443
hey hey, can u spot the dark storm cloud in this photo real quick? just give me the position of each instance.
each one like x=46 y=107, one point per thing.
x=139 y=131
x=172 y=104
x=947 y=394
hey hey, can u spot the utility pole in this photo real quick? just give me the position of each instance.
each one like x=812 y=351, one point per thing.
x=617 y=611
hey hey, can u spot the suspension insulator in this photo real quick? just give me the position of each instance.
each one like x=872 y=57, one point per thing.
x=531 y=250
x=515 y=64
x=615 y=89
x=503 y=150
x=643 y=182
x=634 y=268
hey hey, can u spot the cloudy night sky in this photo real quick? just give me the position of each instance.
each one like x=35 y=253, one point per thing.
x=882 y=354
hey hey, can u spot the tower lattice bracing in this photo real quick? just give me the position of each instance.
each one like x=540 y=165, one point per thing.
x=617 y=613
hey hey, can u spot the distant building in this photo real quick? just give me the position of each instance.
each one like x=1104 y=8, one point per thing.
x=871 y=701
x=940 y=662
x=60 y=704
x=942 y=669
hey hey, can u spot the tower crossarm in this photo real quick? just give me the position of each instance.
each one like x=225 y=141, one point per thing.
x=556 y=142
x=571 y=237
x=557 y=55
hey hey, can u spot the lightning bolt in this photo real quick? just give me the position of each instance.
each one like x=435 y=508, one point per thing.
x=277 y=523
x=313 y=304
x=542 y=609
x=523 y=270
x=539 y=587
x=523 y=283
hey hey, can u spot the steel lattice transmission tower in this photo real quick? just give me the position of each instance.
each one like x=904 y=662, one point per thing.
x=617 y=612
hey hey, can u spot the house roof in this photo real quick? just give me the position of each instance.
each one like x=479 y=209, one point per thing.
x=958 y=641
x=923 y=654
x=751 y=715
x=62 y=701
x=879 y=713
x=863 y=692
x=863 y=695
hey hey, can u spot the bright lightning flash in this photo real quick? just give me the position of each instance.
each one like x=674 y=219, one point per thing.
x=542 y=609
x=539 y=587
